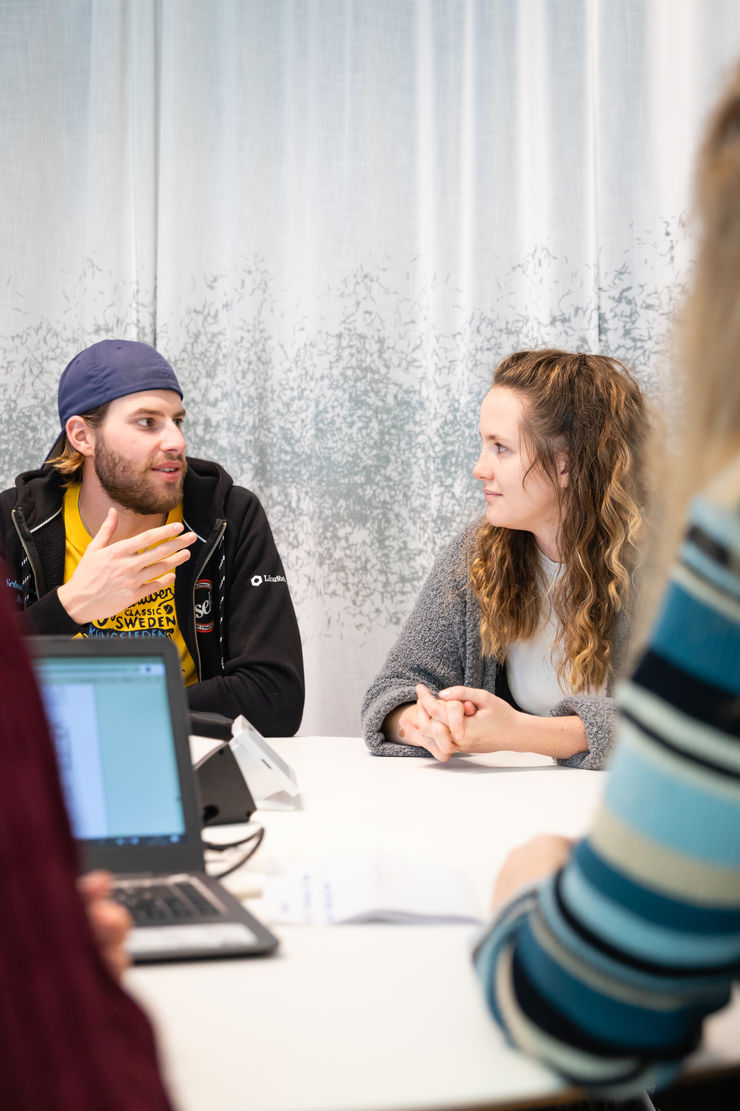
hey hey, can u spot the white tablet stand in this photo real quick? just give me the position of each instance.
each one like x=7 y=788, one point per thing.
x=271 y=781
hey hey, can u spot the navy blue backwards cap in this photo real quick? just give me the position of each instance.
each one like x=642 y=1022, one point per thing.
x=109 y=369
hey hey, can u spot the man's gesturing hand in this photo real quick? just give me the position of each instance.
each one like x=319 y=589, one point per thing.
x=112 y=576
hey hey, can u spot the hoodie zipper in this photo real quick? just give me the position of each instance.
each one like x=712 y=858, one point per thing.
x=206 y=556
x=20 y=527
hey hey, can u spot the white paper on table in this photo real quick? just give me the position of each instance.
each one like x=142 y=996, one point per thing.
x=368 y=887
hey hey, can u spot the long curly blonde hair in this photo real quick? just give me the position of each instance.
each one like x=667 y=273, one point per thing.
x=591 y=408
x=711 y=320
x=707 y=346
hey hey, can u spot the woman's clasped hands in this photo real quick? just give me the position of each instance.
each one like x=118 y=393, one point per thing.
x=459 y=719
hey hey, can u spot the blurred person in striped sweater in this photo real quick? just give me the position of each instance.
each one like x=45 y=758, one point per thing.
x=605 y=957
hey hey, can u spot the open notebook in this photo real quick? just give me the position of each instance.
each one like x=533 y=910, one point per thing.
x=118 y=716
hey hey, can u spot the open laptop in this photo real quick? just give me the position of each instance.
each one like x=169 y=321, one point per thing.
x=117 y=711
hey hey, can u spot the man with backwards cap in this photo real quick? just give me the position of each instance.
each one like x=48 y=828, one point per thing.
x=118 y=534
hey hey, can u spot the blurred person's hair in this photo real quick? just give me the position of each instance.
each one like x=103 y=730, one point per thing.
x=706 y=354
x=711 y=324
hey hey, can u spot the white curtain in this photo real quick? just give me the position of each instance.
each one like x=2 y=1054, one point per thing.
x=334 y=217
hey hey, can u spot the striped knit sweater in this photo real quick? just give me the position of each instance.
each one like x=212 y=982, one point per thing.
x=606 y=971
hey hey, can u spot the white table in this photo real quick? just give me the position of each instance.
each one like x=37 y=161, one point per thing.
x=370 y=1017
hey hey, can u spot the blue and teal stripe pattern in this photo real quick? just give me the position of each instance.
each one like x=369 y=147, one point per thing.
x=607 y=971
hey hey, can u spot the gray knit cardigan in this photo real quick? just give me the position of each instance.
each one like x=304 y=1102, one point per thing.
x=440 y=646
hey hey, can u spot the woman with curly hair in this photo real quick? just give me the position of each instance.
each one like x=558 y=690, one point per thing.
x=517 y=634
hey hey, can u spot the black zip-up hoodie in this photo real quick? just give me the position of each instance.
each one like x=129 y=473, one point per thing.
x=232 y=600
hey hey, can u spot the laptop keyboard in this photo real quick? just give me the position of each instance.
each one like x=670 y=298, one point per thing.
x=155 y=903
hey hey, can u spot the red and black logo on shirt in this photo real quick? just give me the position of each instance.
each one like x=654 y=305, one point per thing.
x=204 y=606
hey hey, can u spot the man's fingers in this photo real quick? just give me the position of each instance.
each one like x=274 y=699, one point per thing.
x=162 y=562
x=143 y=544
x=158 y=582
x=114 y=575
x=155 y=576
x=167 y=538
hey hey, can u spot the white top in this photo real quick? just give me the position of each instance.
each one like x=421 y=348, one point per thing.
x=530 y=669
x=532 y=676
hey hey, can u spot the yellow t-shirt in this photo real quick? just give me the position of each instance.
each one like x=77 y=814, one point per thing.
x=154 y=615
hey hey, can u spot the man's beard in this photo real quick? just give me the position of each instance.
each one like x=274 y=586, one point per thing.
x=128 y=487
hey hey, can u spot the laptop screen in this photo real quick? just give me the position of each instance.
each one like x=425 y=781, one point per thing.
x=117 y=712
x=110 y=721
